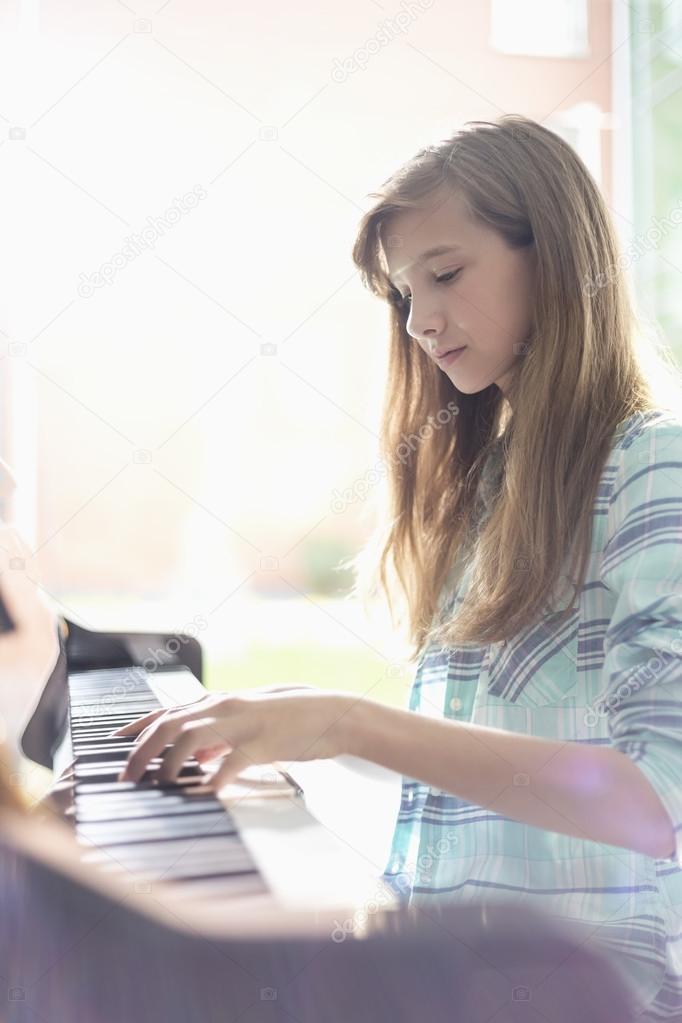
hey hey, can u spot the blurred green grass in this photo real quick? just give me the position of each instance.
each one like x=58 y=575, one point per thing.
x=349 y=669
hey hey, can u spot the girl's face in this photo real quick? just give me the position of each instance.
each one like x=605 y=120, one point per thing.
x=476 y=294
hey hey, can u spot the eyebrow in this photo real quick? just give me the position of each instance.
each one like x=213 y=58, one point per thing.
x=437 y=250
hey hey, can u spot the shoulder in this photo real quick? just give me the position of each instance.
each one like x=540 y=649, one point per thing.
x=645 y=427
x=642 y=482
x=646 y=442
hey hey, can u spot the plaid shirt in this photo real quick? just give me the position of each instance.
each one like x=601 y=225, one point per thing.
x=610 y=675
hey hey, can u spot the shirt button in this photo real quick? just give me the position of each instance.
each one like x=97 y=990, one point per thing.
x=455 y=703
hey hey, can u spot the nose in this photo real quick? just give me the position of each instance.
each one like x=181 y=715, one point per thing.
x=427 y=335
x=425 y=328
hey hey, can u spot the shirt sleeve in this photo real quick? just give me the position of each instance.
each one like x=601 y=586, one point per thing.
x=642 y=567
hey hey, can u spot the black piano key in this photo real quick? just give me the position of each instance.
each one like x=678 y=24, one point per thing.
x=117 y=788
x=111 y=833
x=133 y=811
x=100 y=735
x=108 y=750
x=181 y=858
x=145 y=795
x=101 y=727
x=226 y=886
x=110 y=770
x=92 y=711
x=200 y=868
x=103 y=731
x=102 y=722
x=232 y=883
x=177 y=833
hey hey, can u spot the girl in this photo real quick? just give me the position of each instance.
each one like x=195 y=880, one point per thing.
x=534 y=542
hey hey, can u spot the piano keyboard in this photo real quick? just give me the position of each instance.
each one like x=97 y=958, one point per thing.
x=179 y=833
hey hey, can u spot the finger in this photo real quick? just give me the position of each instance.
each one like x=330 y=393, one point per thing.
x=193 y=735
x=139 y=724
x=186 y=704
x=232 y=765
x=157 y=739
x=209 y=753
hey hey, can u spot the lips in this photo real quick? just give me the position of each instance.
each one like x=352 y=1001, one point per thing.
x=444 y=355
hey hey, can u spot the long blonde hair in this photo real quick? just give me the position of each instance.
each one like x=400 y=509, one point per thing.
x=579 y=375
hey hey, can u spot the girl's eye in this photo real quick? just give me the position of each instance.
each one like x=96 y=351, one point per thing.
x=404 y=300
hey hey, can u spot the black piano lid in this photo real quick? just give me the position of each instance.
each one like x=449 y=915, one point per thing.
x=83 y=650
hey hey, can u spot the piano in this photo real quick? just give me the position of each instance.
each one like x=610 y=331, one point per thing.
x=258 y=840
x=247 y=887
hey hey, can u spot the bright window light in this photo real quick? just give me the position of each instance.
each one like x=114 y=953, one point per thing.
x=540 y=28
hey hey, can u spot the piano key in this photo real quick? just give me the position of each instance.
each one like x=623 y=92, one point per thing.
x=110 y=770
x=180 y=859
x=98 y=731
x=228 y=886
x=191 y=787
x=132 y=811
x=102 y=723
x=110 y=833
x=104 y=746
x=168 y=851
x=119 y=787
x=175 y=833
x=151 y=795
x=232 y=883
x=95 y=710
x=84 y=755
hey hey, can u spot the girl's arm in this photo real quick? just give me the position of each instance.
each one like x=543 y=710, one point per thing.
x=594 y=793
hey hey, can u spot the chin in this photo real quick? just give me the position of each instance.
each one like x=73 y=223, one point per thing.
x=471 y=389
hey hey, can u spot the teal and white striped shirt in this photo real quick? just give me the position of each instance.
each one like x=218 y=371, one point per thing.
x=611 y=674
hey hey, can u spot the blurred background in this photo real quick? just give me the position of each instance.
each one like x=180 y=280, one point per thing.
x=191 y=373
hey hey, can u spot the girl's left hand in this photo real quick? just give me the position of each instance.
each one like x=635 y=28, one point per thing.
x=244 y=728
